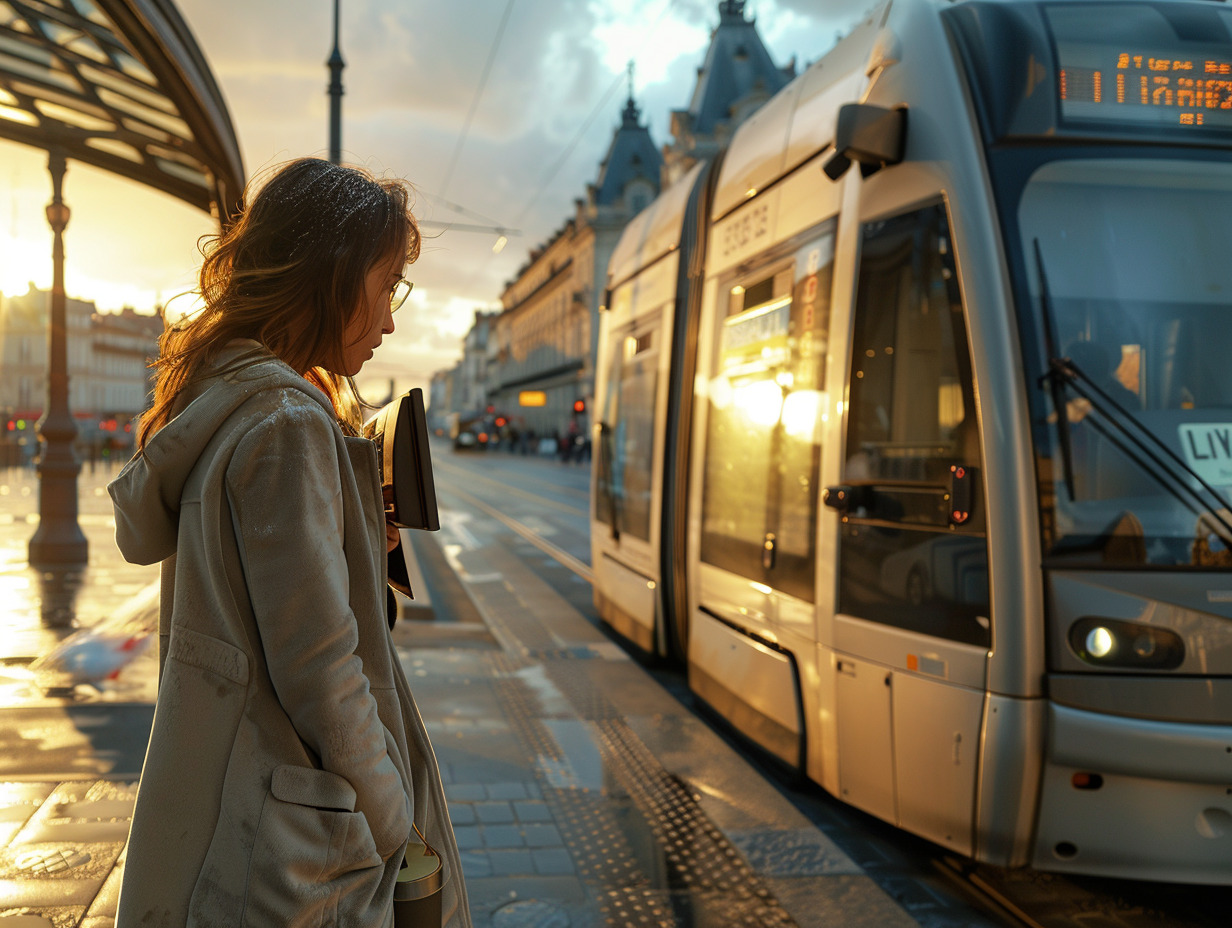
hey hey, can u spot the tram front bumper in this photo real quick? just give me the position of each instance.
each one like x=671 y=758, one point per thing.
x=1135 y=798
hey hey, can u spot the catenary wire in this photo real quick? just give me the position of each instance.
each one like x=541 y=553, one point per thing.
x=483 y=82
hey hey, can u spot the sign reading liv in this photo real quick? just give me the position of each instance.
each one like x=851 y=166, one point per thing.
x=1208 y=450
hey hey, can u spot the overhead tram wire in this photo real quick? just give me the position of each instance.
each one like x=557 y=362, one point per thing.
x=603 y=101
x=564 y=156
x=598 y=108
x=483 y=82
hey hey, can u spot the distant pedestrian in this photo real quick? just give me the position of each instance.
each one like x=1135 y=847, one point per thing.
x=287 y=759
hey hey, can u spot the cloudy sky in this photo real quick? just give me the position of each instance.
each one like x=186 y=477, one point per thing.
x=551 y=101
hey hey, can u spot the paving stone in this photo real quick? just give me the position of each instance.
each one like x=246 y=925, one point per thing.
x=18 y=803
x=466 y=792
x=103 y=909
x=468 y=837
x=496 y=813
x=506 y=791
x=532 y=811
x=503 y=836
x=44 y=893
x=530 y=913
x=796 y=852
x=37 y=863
x=461 y=814
x=511 y=863
x=56 y=916
x=475 y=864
x=542 y=835
x=552 y=861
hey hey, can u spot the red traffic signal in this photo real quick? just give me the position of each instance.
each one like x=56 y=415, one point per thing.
x=501 y=422
x=579 y=405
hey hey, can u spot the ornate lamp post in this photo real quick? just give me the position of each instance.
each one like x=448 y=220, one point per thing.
x=58 y=542
x=336 y=64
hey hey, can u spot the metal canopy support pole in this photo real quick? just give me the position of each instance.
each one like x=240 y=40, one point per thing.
x=58 y=542
x=336 y=64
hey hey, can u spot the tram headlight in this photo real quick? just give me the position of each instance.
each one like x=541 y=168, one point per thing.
x=1100 y=642
x=1116 y=643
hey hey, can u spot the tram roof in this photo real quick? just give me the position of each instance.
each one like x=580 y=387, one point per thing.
x=797 y=122
x=121 y=85
x=654 y=231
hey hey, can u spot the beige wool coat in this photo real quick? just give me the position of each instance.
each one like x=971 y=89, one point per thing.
x=287 y=758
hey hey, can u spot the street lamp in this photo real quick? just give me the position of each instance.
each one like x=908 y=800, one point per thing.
x=336 y=64
x=58 y=542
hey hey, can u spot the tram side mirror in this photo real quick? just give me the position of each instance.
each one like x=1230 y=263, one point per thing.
x=872 y=135
x=400 y=432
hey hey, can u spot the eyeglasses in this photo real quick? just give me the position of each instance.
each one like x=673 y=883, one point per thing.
x=399 y=292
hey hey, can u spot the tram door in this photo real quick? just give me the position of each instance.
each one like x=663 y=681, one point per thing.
x=912 y=628
x=628 y=470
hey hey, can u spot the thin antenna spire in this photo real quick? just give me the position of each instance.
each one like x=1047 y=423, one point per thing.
x=629 y=68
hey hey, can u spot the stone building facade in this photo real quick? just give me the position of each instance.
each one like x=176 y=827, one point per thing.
x=546 y=335
x=108 y=366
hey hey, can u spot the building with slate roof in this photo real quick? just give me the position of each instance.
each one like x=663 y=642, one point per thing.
x=542 y=346
x=737 y=76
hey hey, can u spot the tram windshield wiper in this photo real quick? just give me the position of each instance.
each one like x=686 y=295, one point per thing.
x=1120 y=427
x=1055 y=377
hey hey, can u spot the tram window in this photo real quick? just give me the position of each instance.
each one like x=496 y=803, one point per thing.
x=911 y=410
x=910 y=419
x=763 y=441
x=627 y=450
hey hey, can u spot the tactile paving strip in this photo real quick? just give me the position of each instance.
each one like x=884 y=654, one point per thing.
x=699 y=858
x=692 y=875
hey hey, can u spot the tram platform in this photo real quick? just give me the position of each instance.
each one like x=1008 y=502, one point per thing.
x=582 y=792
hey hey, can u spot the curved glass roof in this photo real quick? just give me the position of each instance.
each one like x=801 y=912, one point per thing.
x=121 y=85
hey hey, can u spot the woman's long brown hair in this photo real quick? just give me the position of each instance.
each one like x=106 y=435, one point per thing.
x=289 y=273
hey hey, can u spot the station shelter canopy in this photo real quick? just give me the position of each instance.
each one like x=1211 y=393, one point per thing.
x=123 y=86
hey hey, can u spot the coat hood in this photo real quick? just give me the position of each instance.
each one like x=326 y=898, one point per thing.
x=146 y=493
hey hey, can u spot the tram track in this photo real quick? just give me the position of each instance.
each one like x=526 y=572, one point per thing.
x=457 y=470
x=1037 y=899
x=563 y=557
x=963 y=876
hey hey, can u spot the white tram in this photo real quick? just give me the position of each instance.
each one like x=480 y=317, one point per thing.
x=923 y=467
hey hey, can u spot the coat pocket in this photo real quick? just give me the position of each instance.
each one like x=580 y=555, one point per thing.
x=310 y=848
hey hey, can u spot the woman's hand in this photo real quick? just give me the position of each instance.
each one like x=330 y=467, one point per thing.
x=392 y=538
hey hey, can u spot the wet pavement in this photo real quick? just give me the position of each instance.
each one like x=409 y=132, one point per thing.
x=582 y=793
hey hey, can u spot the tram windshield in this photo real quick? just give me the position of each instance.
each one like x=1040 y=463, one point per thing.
x=1131 y=293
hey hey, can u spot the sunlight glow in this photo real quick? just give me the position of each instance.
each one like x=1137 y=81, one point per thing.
x=761 y=401
x=635 y=31
x=23 y=260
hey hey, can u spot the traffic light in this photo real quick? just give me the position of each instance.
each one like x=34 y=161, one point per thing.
x=501 y=422
x=579 y=405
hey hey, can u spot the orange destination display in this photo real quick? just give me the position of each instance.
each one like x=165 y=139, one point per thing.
x=1186 y=86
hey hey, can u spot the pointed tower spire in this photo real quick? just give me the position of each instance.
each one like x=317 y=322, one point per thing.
x=631 y=114
x=736 y=78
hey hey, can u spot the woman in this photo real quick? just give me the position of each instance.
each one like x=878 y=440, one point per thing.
x=287 y=759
